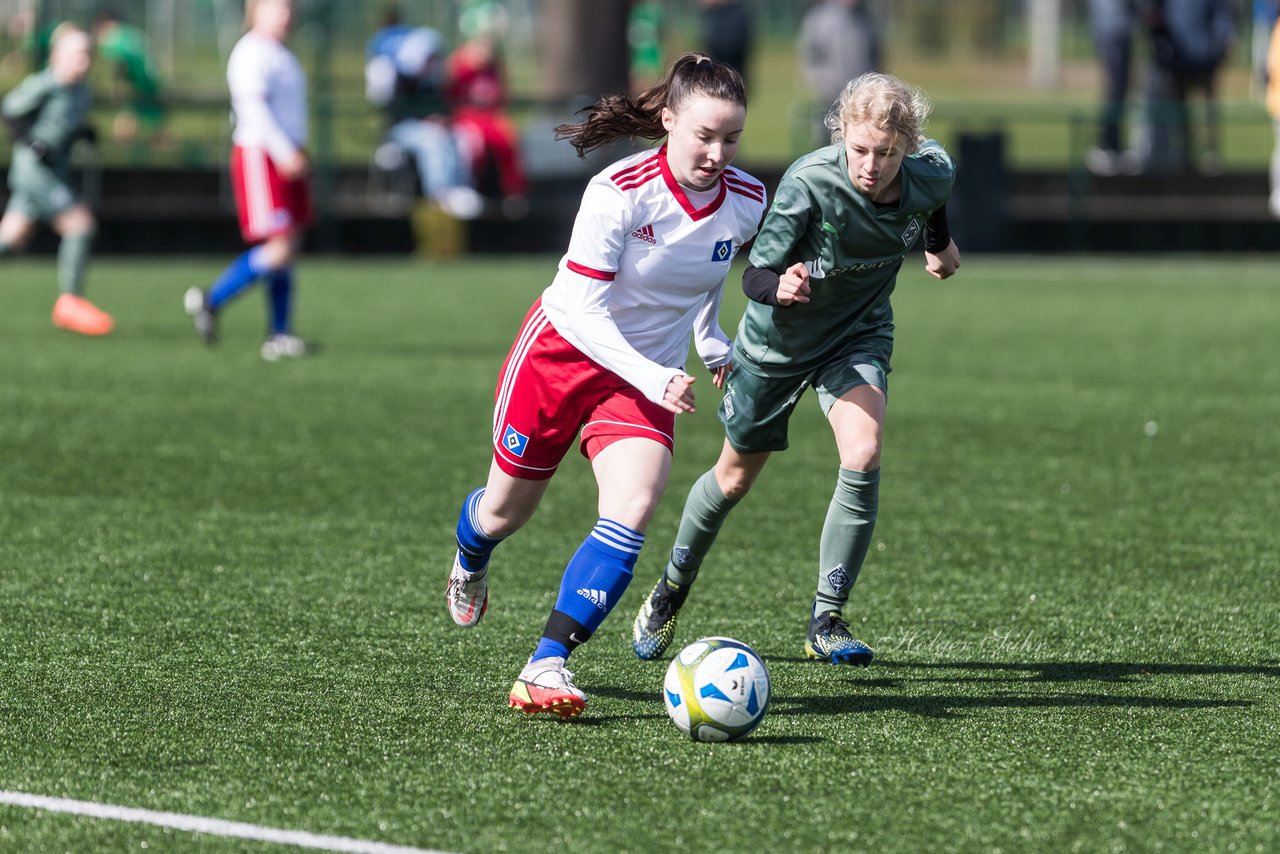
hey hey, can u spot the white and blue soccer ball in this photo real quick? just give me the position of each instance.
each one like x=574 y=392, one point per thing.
x=716 y=689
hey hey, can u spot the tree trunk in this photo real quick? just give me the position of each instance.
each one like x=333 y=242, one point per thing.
x=584 y=50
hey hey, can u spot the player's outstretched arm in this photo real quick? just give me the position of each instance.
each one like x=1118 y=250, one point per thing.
x=765 y=286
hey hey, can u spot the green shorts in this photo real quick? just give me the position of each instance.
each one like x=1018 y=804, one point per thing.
x=39 y=194
x=755 y=409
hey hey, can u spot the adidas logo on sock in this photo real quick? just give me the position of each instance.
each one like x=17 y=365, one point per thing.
x=597 y=597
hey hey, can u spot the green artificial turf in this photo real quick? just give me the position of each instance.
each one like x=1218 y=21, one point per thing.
x=221 y=580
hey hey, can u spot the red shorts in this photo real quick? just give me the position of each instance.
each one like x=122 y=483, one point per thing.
x=548 y=391
x=267 y=203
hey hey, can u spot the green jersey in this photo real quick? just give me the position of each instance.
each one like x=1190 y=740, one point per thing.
x=853 y=249
x=126 y=46
x=53 y=113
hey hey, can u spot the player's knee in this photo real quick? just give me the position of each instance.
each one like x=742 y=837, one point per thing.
x=278 y=252
x=504 y=522
x=78 y=222
x=863 y=455
x=734 y=482
x=634 y=509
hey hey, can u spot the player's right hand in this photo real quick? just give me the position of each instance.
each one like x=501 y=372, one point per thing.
x=679 y=395
x=793 y=285
x=294 y=166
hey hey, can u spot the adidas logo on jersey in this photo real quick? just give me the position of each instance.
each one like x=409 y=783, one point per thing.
x=645 y=233
x=597 y=597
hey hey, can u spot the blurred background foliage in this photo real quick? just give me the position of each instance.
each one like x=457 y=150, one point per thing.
x=973 y=58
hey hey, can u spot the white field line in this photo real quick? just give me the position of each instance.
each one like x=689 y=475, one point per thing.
x=212 y=826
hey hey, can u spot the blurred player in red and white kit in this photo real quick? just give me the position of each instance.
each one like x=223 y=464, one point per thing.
x=269 y=174
x=602 y=352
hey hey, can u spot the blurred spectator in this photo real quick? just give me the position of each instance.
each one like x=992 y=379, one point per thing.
x=1265 y=14
x=1190 y=39
x=644 y=33
x=47 y=113
x=17 y=31
x=727 y=33
x=1112 y=23
x=477 y=88
x=388 y=37
x=404 y=75
x=1273 y=107
x=125 y=47
x=838 y=42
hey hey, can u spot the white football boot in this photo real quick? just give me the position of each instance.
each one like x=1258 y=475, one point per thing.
x=467 y=594
x=546 y=686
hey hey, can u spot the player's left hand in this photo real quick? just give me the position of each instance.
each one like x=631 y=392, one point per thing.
x=945 y=263
x=720 y=374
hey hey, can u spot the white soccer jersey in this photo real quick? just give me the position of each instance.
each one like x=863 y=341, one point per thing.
x=646 y=269
x=268 y=96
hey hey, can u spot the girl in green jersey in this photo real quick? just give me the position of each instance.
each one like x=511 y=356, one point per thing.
x=822 y=270
x=46 y=114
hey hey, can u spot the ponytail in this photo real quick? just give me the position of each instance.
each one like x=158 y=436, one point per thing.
x=616 y=117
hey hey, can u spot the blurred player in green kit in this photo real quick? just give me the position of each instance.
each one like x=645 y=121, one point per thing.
x=124 y=46
x=46 y=114
x=821 y=273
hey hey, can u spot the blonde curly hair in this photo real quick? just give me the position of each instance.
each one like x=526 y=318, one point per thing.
x=883 y=100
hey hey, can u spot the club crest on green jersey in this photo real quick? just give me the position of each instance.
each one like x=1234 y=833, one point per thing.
x=912 y=232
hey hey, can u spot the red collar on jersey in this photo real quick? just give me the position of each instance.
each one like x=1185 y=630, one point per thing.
x=676 y=190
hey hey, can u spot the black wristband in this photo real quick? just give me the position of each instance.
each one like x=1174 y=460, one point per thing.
x=761 y=285
x=937 y=231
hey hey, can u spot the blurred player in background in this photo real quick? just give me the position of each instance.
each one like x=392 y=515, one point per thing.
x=125 y=47
x=269 y=174
x=46 y=113
x=602 y=352
x=821 y=273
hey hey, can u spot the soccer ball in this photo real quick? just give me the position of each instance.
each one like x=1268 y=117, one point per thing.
x=716 y=689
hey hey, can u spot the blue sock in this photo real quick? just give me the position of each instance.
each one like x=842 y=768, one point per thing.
x=592 y=584
x=240 y=274
x=474 y=545
x=280 y=298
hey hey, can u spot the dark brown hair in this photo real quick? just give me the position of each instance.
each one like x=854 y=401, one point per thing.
x=616 y=117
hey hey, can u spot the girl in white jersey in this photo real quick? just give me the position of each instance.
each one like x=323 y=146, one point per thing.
x=269 y=169
x=602 y=352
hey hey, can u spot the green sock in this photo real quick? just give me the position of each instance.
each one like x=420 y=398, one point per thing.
x=704 y=512
x=846 y=536
x=73 y=259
